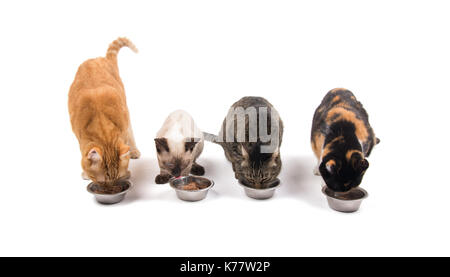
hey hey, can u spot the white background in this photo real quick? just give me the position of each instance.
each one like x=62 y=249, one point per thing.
x=202 y=56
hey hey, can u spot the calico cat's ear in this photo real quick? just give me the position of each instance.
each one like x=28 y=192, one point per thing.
x=362 y=165
x=332 y=166
x=161 y=145
x=124 y=151
x=359 y=164
x=190 y=143
x=94 y=155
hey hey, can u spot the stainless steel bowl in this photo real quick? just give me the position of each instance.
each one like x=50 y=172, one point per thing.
x=191 y=195
x=113 y=198
x=261 y=194
x=346 y=202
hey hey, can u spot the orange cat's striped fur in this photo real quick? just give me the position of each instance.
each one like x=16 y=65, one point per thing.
x=100 y=118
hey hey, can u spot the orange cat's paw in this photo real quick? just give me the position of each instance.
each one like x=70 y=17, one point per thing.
x=84 y=176
x=135 y=154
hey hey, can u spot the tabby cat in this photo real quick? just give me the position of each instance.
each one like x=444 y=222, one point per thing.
x=253 y=151
x=341 y=139
x=100 y=118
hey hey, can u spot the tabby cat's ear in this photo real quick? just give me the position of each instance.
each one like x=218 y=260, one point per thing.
x=161 y=145
x=275 y=155
x=244 y=156
x=94 y=155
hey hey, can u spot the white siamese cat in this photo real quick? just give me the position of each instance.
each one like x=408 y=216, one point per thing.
x=178 y=144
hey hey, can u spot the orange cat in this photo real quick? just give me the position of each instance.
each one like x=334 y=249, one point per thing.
x=100 y=119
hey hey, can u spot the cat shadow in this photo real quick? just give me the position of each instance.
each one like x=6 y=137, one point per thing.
x=219 y=170
x=143 y=172
x=298 y=181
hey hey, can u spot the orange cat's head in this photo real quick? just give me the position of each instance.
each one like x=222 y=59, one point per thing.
x=106 y=164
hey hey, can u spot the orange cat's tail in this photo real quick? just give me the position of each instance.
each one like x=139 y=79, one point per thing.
x=114 y=47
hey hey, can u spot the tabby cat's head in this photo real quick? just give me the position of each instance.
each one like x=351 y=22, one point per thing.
x=253 y=168
x=106 y=164
x=343 y=173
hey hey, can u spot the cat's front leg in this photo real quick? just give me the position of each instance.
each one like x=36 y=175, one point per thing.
x=316 y=170
x=197 y=169
x=162 y=178
x=84 y=176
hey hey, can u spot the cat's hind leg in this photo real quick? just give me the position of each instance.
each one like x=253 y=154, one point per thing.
x=134 y=152
x=197 y=169
x=162 y=178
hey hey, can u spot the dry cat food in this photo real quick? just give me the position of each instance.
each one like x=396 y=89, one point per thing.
x=109 y=188
x=193 y=186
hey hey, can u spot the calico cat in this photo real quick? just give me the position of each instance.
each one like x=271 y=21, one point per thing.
x=100 y=118
x=178 y=144
x=342 y=139
x=244 y=136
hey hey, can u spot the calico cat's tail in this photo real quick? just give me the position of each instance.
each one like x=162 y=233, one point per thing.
x=114 y=47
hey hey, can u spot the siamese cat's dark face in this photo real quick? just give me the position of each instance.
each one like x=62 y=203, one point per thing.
x=341 y=174
x=253 y=168
x=175 y=158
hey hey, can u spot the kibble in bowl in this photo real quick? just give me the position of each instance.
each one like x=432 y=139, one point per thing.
x=191 y=188
x=109 y=193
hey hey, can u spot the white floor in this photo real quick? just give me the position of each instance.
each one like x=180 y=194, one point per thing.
x=202 y=57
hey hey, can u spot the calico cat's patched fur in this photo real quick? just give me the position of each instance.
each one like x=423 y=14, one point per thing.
x=256 y=162
x=100 y=119
x=178 y=144
x=342 y=139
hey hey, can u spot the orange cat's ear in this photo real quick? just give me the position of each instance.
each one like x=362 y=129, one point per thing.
x=94 y=155
x=124 y=151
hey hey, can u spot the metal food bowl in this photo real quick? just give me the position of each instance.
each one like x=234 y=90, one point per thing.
x=191 y=195
x=346 y=202
x=263 y=193
x=104 y=197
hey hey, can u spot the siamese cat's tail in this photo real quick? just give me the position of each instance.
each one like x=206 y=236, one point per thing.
x=211 y=138
x=114 y=47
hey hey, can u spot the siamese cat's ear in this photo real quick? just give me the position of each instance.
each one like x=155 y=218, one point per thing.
x=161 y=145
x=124 y=151
x=94 y=155
x=190 y=143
